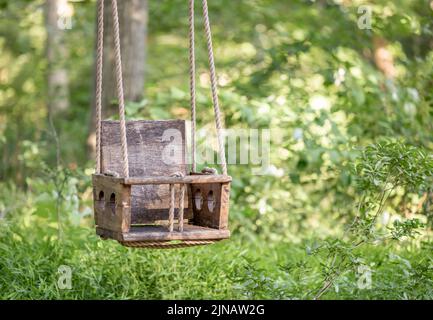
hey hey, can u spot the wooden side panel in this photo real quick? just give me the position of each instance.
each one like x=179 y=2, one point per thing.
x=155 y=148
x=210 y=203
x=225 y=206
x=112 y=204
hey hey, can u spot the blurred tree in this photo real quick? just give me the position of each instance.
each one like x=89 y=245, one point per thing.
x=57 y=20
x=133 y=19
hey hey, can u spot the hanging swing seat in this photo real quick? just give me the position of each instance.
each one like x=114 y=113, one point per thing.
x=135 y=210
x=143 y=194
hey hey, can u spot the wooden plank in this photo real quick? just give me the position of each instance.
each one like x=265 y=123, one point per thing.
x=111 y=215
x=160 y=233
x=195 y=179
x=224 y=206
x=155 y=148
x=192 y=179
x=145 y=216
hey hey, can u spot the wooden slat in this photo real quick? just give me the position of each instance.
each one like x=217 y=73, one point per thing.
x=196 y=179
x=160 y=233
x=143 y=216
x=193 y=179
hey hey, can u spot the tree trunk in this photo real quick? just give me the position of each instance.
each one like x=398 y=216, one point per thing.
x=133 y=19
x=57 y=20
x=384 y=58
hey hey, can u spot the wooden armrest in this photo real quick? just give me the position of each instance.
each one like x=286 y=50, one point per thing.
x=192 y=179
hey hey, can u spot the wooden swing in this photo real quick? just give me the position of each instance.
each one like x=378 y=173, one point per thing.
x=140 y=198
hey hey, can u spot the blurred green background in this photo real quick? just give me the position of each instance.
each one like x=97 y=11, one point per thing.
x=353 y=107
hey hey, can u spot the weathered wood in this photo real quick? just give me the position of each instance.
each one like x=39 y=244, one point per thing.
x=214 y=210
x=140 y=202
x=224 y=206
x=155 y=148
x=140 y=216
x=160 y=233
x=195 y=179
x=192 y=179
x=112 y=204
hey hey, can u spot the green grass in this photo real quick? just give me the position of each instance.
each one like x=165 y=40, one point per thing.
x=29 y=262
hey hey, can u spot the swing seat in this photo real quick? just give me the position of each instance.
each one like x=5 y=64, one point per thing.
x=135 y=210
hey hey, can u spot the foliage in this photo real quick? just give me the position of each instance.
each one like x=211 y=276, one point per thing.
x=381 y=169
x=348 y=186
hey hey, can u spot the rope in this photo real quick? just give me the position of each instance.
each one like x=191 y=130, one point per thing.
x=120 y=93
x=99 y=63
x=119 y=85
x=181 y=206
x=171 y=210
x=192 y=84
x=214 y=87
x=167 y=244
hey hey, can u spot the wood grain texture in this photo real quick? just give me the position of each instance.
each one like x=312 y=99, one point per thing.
x=155 y=149
x=214 y=209
x=160 y=233
x=112 y=204
x=195 y=179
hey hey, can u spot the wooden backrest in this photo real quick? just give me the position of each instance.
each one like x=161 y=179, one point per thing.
x=155 y=148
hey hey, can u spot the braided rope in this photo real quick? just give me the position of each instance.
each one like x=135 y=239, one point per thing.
x=192 y=71
x=99 y=62
x=214 y=87
x=119 y=83
x=167 y=244
x=181 y=206
x=171 y=210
